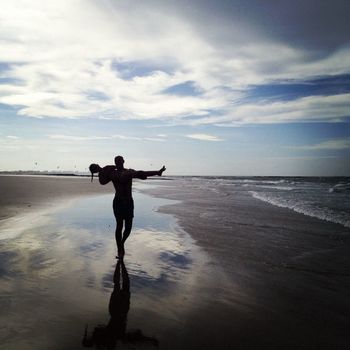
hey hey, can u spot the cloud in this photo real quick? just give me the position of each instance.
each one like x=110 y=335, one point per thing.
x=204 y=137
x=111 y=60
x=73 y=138
x=134 y=138
x=304 y=24
x=335 y=144
x=78 y=138
x=15 y=143
x=312 y=108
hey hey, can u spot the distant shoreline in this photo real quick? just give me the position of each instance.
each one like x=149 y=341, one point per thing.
x=72 y=174
x=44 y=173
x=21 y=194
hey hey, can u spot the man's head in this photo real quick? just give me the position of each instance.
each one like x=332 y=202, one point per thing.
x=119 y=162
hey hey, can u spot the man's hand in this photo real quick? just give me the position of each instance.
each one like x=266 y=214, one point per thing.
x=160 y=172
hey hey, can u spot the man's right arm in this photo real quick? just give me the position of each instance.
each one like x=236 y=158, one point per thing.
x=105 y=175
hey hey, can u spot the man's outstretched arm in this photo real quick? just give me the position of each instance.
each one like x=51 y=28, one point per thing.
x=144 y=174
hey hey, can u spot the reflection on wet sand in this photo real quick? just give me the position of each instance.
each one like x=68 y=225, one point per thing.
x=107 y=336
x=59 y=276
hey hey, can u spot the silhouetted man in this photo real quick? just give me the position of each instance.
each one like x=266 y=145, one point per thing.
x=123 y=203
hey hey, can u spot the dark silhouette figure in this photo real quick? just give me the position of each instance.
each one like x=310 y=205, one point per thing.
x=123 y=203
x=107 y=336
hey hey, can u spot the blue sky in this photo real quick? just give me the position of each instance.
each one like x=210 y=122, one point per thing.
x=204 y=87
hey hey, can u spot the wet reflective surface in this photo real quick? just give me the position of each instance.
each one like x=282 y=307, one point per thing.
x=61 y=279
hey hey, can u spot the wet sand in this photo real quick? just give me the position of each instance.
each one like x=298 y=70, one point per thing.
x=57 y=276
x=293 y=269
x=249 y=275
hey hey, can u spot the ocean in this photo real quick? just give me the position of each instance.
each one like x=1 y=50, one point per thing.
x=325 y=198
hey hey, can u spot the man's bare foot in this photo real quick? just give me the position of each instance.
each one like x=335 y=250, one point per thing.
x=121 y=253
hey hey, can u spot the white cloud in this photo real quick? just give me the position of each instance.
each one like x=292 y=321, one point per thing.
x=204 y=137
x=15 y=143
x=135 y=138
x=78 y=138
x=335 y=144
x=68 y=59
x=74 y=138
x=312 y=108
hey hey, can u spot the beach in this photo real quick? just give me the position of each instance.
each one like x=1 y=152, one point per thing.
x=26 y=193
x=208 y=268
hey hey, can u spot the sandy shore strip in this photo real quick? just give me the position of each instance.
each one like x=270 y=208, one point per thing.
x=22 y=194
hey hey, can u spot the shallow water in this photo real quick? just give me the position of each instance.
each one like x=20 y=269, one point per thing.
x=57 y=277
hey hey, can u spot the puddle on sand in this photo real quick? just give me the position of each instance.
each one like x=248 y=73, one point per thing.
x=59 y=277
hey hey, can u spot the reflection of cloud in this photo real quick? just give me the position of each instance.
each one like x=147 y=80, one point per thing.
x=7 y=266
x=29 y=218
x=148 y=246
x=140 y=281
x=126 y=58
x=336 y=144
x=204 y=137
x=179 y=260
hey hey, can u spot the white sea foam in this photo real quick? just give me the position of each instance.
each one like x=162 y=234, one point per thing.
x=281 y=188
x=304 y=208
x=341 y=187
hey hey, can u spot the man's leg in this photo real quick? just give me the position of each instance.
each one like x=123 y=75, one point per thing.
x=118 y=234
x=128 y=226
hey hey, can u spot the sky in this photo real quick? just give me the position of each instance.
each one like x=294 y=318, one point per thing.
x=224 y=87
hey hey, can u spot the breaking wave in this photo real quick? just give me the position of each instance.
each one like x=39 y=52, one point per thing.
x=339 y=188
x=305 y=208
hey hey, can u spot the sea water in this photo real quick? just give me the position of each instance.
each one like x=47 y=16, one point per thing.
x=325 y=198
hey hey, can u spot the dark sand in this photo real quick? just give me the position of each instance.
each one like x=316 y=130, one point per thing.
x=272 y=278
x=294 y=269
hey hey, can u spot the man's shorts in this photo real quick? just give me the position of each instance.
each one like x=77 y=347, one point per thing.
x=123 y=208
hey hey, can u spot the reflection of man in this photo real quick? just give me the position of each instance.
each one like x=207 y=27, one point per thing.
x=123 y=203
x=106 y=337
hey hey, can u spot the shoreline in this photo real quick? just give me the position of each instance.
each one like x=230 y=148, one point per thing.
x=245 y=212
x=293 y=266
